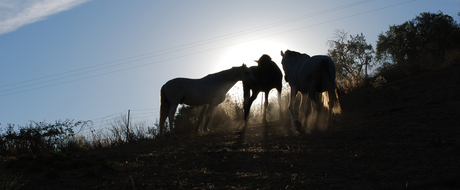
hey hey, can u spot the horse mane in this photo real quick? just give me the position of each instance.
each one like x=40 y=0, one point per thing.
x=227 y=70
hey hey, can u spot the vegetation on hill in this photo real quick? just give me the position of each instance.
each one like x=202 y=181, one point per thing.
x=427 y=42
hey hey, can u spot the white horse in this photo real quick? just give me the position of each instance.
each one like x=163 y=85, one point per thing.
x=210 y=90
x=311 y=75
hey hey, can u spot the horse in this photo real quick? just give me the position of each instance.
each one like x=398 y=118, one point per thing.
x=311 y=75
x=210 y=90
x=268 y=76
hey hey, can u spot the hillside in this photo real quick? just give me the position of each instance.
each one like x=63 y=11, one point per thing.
x=405 y=133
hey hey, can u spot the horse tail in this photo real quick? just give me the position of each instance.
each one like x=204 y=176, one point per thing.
x=336 y=109
x=332 y=95
x=164 y=109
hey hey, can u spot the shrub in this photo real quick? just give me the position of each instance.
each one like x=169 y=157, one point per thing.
x=378 y=82
x=38 y=137
x=12 y=181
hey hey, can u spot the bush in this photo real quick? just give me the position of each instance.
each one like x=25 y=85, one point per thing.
x=350 y=83
x=12 y=181
x=189 y=118
x=378 y=82
x=38 y=137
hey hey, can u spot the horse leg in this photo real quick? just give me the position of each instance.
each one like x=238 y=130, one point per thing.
x=211 y=116
x=201 y=117
x=165 y=106
x=291 y=108
x=247 y=108
x=303 y=109
x=279 y=104
x=291 y=104
x=162 y=123
x=172 y=111
x=247 y=103
x=202 y=128
x=264 y=120
x=164 y=111
x=313 y=114
x=321 y=118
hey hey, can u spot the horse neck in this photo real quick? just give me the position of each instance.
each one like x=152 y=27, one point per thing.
x=225 y=79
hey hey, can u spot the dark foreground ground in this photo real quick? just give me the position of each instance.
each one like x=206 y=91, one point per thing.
x=405 y=134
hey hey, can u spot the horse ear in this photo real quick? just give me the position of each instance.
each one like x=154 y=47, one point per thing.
x=282 y=54
x=243 y=65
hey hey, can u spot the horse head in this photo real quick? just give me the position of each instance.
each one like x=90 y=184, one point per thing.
x=264 y=59
x=286 y=55
x=290 y=58
x=247 y=76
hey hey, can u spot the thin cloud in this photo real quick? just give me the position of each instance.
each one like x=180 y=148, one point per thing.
x=17 y=13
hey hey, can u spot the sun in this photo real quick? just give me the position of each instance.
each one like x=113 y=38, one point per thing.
x=248 y=52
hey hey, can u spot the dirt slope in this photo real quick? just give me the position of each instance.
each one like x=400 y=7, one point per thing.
x=406 y=133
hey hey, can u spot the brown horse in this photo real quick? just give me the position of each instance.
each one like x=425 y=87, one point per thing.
x=268 y=76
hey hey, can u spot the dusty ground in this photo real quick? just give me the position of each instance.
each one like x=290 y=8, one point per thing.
x=406 y=133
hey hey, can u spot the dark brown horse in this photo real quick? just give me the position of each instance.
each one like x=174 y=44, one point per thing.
x=268 y=76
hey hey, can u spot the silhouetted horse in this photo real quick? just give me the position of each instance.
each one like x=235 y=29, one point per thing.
x=311 y=75
x=210 y=90
x=268 y=76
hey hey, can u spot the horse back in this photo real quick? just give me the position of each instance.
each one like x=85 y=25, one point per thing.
x=314 y=74
x=174 y=89
x=323 y=71
x=268 y=76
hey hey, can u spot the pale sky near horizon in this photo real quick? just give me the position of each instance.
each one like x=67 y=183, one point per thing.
x=88 y=59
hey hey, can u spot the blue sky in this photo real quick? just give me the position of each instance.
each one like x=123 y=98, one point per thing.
x=88 y=59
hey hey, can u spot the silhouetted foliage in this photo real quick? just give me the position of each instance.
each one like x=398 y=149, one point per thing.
x=188 y=118
x=38 y=137
x=422 y=43
x=122 y=132
x=353 y=58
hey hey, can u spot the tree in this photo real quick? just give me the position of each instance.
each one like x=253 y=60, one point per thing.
x=361 y=52
x=353 y=57
x=428 y=35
